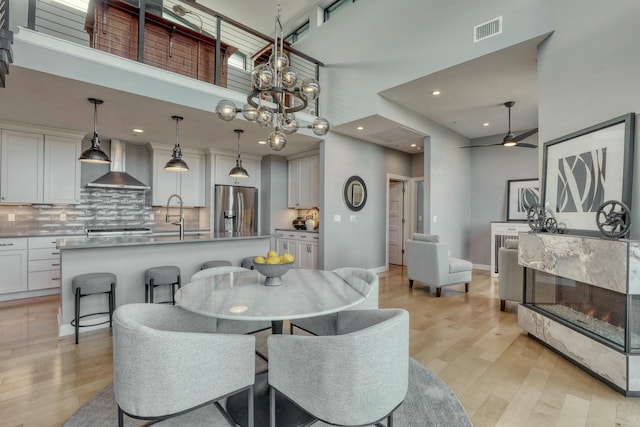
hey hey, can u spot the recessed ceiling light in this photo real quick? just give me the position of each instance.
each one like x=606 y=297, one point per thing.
x=413 y=145
x=435 y=93
x=485 y=124
x=262 y=142
x=360 y=128
x=136 y=130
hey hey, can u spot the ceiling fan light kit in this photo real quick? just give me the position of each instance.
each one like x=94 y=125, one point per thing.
x=511 y=140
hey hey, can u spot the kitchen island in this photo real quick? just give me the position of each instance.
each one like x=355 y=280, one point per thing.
x=129 y=256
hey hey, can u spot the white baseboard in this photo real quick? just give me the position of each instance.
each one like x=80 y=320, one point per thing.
x=381 y=269
x=482 y=267
x=29 y=294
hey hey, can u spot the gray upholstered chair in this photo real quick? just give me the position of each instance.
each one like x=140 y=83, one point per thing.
x=364 y=369
x=168 y=361
x=428 y=261
x=227 y=325
x=364 y=281
x=510 y=280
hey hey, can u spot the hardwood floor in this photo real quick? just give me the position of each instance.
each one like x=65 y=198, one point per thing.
x=501 y=376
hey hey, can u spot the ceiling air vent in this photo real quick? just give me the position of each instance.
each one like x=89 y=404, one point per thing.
x=487 y=29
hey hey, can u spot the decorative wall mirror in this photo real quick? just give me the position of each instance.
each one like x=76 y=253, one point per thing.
x=355 y=193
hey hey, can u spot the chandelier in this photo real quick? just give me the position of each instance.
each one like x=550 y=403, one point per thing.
x=277 y=94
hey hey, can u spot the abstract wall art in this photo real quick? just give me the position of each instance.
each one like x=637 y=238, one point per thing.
x=584 y=169
x=521 y=195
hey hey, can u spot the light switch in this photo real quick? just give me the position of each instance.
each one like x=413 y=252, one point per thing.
x=337 y=218
x=151 y=216
x=435 y=218
x=63 y=217
x=352 y=218
x=11 y=217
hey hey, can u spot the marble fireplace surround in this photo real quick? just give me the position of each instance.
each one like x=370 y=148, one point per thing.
x=609 y=264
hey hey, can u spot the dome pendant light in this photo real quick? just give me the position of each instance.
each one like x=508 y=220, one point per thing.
x=176 y=164
x=238 y=171
x=95 y=154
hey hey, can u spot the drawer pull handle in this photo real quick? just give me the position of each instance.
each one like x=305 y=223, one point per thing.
x=6 y=244
x=55 y=278
x=55 y=265
x=55 y=253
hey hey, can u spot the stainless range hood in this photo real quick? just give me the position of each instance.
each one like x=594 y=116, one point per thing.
x=117 y=177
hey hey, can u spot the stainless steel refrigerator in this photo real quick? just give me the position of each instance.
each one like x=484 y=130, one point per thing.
x=236 y=209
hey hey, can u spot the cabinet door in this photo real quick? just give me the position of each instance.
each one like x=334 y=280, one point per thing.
x=164 y=183
x=192 y=182
x=21 y=164
x=314 y=256
x=13 y=265
x=293 y=188
x=61 y=170
x=313 y=181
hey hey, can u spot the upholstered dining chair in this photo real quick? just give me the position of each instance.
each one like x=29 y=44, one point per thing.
x=357 y=377
x=428 y=261
x=168 y=361
x=227 y=325
x=365 y=281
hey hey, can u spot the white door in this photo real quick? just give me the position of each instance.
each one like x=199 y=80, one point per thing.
x=396 y=218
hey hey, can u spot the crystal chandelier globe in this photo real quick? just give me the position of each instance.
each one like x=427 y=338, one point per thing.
x=276 y=82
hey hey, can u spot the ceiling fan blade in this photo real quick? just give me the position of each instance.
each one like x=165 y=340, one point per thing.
x=525 y=145
x=525 y=135
x=486 y=145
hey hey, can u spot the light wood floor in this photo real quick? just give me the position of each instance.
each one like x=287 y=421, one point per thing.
x=502 y=377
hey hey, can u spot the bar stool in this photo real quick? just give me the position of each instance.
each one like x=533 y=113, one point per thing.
x=248 y=263
x=216 y=263
x=160 y=276
x=93 y=284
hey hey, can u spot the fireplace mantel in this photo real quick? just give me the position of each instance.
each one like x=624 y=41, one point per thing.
x=582 y=299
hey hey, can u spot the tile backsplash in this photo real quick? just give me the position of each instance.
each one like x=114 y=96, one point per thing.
x=98 y=208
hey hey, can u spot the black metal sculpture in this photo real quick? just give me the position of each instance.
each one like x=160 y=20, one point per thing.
x=614 y=219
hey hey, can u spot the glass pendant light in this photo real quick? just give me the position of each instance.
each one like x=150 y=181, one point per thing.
x=95 y=154
x=176 y=164
x=238 y=171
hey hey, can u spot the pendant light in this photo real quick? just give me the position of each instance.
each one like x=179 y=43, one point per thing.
x=176 y=164
x=238 y=171
x=95 y=154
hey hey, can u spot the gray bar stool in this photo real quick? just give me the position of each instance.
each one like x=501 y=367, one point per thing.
x=216 y=263
x=248 y=263
x=160 y=276
x=93 y=284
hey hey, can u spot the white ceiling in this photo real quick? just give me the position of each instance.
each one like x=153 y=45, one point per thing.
x=471 y=94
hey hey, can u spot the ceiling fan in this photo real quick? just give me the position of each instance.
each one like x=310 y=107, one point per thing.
x=511 y=140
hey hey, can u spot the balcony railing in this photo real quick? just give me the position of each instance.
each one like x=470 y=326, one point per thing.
x=181 y=36
x=6 y=39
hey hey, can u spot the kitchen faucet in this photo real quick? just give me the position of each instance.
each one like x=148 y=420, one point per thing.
x=180 y=223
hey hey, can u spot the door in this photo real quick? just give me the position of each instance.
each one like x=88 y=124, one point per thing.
x=396 y=222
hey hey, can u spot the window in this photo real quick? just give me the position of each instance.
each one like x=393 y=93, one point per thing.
x=295 y=35
x=238 y=60
x=333 y=7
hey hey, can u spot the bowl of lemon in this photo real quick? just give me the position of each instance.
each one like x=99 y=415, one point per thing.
x=273 y=267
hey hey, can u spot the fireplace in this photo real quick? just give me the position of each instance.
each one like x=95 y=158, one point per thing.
x=582 y=298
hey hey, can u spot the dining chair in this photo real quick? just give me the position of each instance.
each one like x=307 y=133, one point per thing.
x=365 y=281
x=357 y=377
x=227 y=325
x=168 y=361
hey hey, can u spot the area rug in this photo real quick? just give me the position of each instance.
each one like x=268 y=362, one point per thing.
x=429 y=402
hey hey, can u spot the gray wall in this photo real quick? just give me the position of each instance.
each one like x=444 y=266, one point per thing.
x=417 y=165
x=360 y=243
x=588 y=72
x=491 y=168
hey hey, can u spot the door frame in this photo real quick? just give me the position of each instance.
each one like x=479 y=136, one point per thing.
x=407 y=196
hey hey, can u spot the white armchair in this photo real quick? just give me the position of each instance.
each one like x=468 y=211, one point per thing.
x=428 y=261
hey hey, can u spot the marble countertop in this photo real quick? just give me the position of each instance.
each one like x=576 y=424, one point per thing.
x=115 y=241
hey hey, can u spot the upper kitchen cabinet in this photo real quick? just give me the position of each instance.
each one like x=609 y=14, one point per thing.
x=224 y=163
x=189 y=185
x=39 y=165
x=304 y=182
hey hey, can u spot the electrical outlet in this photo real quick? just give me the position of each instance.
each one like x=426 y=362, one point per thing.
x=11 y=217
x=151 y=217
x=337 y=218
x=63 y=217
x=352 y=218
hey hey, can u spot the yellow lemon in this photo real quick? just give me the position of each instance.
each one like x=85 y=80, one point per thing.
x=258 y=260
x=273 y=260
x=272 y=254
x=287 y=257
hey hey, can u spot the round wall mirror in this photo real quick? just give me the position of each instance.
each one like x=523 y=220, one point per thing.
x=355 y=193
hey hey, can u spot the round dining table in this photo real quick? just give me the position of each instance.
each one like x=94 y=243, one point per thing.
x=244 y=296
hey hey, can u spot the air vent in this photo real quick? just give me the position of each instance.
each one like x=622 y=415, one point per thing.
x=487 y=29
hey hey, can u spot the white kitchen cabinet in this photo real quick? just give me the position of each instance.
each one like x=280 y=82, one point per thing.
x=189 y=185
x=224 y=163
x=39 y=165
x=304 y=246
x=13 y=264
x=303 y=182
x=44 y=263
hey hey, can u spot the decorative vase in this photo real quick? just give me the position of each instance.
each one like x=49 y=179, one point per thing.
x=310 y=224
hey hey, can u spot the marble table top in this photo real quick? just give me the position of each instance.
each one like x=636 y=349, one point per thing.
x=243 y=296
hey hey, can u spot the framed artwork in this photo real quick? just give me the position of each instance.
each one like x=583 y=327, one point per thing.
x=521 y=195
x=582 y=170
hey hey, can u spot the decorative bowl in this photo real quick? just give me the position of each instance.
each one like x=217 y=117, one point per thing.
x=273 y=272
